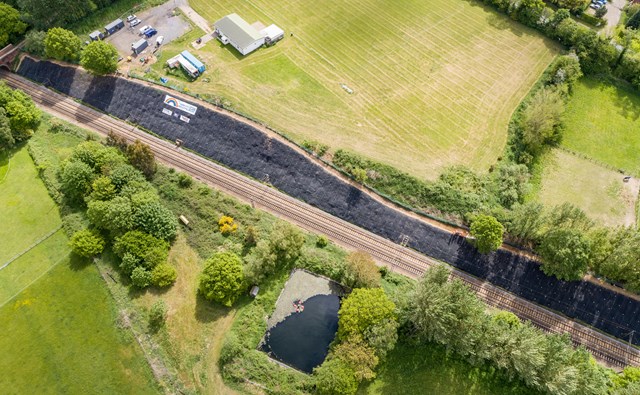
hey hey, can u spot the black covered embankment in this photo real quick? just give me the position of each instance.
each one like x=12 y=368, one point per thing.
x=246 y=149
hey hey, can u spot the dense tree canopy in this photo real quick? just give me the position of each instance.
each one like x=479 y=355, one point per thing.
x=12 y=26
x=142 y=158
x=222 y=278
x=62 y=44
x=24 y=117
x=76 y=180
x=565 y=254
x=487 y=232
x=335 y=377
x=99 y=57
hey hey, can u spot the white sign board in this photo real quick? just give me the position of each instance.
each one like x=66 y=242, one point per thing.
x=167 y=111
x=184 y=119
x=179 y=104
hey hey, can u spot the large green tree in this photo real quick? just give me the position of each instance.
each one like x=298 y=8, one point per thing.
x=369 y=314
x=222 y=278
x=76 y=180
x=541 y=119
x=99 y=57
x=155 y=219
x=565 y=253
x=11 y=26
x=34 y=42
x=280 y=250
x=487 y=232
x=24 y=116
x=62 y=44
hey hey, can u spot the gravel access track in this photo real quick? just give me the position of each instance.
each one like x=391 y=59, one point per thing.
x=384 y=250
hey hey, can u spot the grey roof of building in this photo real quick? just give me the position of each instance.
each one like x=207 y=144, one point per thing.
x=238 y=30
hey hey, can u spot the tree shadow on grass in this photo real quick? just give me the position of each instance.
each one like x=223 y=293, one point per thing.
x=77 y=262
x=208 y=311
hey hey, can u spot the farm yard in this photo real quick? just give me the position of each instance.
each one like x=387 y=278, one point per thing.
x=602 y=121
x=434 y=83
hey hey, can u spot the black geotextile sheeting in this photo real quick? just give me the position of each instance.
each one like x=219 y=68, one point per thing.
x=244 y=148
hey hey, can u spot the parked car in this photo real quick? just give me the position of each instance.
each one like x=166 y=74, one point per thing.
x=150 y=32
x=131 y=18
x=144 y=29
x=159 y=40
x=135 y=22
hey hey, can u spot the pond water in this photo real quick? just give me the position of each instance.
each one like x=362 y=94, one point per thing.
x=302 y=339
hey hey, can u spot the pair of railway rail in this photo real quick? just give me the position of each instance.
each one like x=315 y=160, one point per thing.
x=607 y=349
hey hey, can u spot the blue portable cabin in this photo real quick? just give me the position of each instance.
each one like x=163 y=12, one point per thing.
x=114 y=26
x=195 y=62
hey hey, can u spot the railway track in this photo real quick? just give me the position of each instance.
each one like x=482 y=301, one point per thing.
x=607 y=349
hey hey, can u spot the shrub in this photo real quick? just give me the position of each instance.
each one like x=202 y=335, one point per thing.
x=155 y=219
x=87 y=243
x=140 y=277
x=322 y=241
x=565 y=254
x=335 y=377
x=157 y=315
x=363 y=270
x=163 y=275
x=226 y=226
x=76 y=179
x=185 y=180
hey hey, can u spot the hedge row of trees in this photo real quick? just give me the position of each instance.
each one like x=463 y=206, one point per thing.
x=448 y=313
x=19 y=117
x=98 y=57
x=122 y=208
x=596 y=52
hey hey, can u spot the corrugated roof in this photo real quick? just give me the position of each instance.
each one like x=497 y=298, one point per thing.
x=238 y=30
x=114 y=24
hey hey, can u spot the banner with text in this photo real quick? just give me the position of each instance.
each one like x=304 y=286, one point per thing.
x=179 y=104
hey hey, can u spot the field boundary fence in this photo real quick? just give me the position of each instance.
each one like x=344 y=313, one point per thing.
x=32 y=246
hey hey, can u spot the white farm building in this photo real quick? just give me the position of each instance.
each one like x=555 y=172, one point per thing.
x=236 y=31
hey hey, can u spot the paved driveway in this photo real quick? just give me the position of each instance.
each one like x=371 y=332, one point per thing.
x=613 y=15
x=161 y=18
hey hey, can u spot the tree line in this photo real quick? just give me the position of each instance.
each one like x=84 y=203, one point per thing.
x=19 y=117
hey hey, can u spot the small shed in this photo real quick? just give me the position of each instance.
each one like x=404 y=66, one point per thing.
x=139 y=46
x=194 y=61
x=114 y=26
x=272 y=34
x=97 y=35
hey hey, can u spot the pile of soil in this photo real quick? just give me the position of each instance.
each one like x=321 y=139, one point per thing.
x=248 y=150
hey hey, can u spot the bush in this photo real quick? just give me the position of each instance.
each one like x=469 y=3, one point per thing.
x=157 y=315
x=34 y=42
x=87 y=243
x=222 y=278
x=155 y=219
x=335 y=377
x=163 y=275
x=185 y=180
x=76 y=179
x=322 y=241
x=62 y=44
x=226 y=225
x=363 y=269
x=140 y=277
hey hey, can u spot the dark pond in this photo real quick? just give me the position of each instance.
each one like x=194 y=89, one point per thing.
x=302 y=339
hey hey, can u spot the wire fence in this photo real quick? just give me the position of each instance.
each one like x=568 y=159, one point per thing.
x=32 y=246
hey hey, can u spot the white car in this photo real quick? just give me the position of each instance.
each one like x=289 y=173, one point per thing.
x=159 y=40
x=131 y=18
x=144 y=29
x=135 y=22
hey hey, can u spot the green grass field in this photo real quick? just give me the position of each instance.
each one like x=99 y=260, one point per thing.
x=59 y=324
x=428 y=369
x=603 y=122
x=434 y=82
x=59 y=336
x=27 y=211
x=600 y=192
